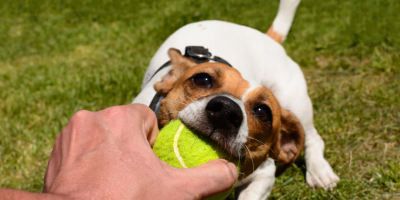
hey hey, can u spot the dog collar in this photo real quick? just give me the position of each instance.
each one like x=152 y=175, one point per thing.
x=198 y=54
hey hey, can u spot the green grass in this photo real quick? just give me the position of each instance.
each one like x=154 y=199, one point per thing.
x=58 y=58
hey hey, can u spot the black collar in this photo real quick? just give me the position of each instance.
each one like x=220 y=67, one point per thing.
x=199 y=55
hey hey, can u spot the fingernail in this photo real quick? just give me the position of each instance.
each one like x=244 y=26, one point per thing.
x=233 y=170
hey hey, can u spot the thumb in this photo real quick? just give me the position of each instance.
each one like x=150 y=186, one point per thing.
x=209 y=179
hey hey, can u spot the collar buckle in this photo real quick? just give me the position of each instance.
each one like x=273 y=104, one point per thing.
x=198 y=52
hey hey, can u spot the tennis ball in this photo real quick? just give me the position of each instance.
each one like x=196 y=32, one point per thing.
x=180 y=147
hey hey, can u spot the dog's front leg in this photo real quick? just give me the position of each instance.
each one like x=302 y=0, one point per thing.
x=259 y=184
x=319 y=173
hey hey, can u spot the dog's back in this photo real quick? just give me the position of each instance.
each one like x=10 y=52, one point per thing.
x=239 y=44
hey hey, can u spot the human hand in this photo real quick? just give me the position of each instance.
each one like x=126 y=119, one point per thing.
x=107 y=155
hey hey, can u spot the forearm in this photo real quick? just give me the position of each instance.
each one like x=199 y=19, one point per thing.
x=8 y=194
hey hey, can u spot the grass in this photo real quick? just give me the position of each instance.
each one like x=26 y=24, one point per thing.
x=60 y=57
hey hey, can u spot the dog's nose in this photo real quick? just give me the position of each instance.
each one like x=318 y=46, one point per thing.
x=223 y=113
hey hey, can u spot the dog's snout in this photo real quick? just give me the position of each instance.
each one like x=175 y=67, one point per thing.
x=223 y=113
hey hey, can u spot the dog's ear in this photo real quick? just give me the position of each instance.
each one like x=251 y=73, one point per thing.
x=179 y=65
x=290 y=141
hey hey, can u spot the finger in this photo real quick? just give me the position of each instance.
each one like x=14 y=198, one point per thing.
x=53 y=165
x=134 y=118
x=153 y=134
x=149 y=120
x=209 y=179
x=150 y=123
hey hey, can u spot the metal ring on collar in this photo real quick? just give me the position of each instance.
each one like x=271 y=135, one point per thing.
x=201 y=56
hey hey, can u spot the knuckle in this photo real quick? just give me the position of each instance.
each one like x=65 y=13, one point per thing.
x=75 y=124
x=141 y=108
x=80 y=116
x=115 y=112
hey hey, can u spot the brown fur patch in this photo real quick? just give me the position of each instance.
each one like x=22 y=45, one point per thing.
x=274 y=35
x=265 y=135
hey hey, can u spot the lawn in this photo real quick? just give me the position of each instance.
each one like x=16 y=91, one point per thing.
x=58 y=57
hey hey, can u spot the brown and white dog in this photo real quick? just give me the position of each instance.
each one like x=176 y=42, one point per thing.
x=216 y=101
x=257 y=110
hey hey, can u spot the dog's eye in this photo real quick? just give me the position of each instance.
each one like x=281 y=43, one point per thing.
x=263 y=113
x=202 y=80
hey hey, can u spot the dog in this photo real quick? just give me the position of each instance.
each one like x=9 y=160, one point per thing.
x=251 y=98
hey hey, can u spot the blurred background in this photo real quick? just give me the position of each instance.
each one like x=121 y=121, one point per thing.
x=60 y=57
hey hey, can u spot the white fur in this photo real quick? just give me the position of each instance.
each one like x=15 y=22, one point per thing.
x=257 y=57
x=258 y=185
x=253 y=86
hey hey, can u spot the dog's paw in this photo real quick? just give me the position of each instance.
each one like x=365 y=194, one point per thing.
x=320 y=174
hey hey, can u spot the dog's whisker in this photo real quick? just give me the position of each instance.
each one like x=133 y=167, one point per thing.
x=272 y=152
x=256 y=129
x=225 y=145
x=201 y=94
x=256 y=140
x=188 y=97
x=239 y=155
x=263 y=144
x=175 y=110
x=183 y=99
x=230 y=155
x=251 y=157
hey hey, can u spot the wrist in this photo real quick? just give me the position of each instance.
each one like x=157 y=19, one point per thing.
x=10 y=194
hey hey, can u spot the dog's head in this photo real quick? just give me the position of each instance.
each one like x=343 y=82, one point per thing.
x=242 y=116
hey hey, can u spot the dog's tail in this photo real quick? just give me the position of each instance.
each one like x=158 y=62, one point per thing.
x=283 y=20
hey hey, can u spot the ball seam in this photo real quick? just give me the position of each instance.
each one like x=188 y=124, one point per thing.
x=176 y=149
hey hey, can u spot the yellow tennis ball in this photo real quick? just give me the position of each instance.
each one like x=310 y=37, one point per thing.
x=180 y=147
